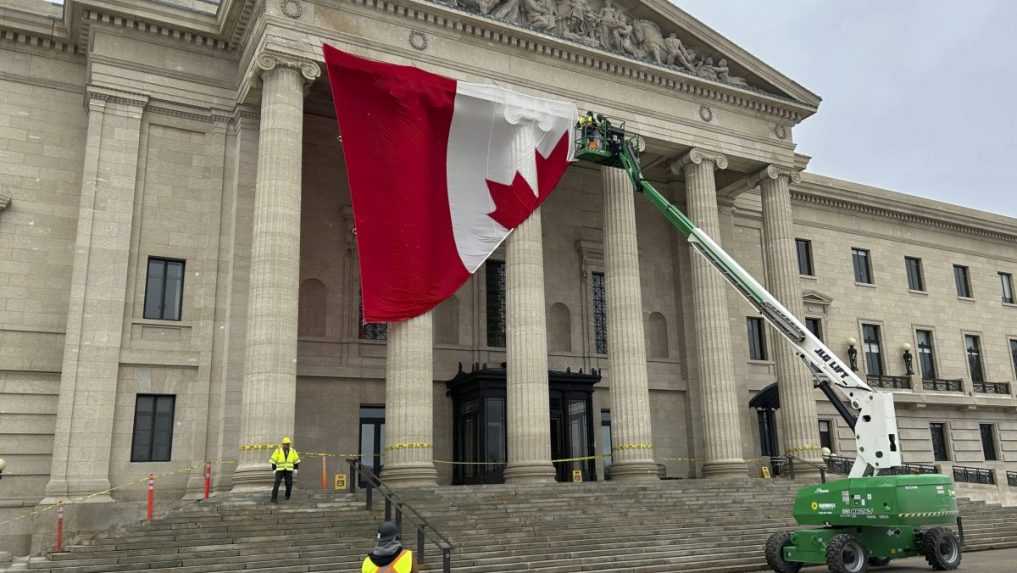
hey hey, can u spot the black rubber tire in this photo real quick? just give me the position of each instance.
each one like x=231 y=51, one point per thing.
x=845 y=554
x=775 y=553
x=942 y=549
x=879 y=561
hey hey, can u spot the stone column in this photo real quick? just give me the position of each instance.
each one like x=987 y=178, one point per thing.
x=798 y=420
x=717 y=386
x=527 y=400
x=95 y=318
x=270 y=360
x=409 y=404
x=632 y=455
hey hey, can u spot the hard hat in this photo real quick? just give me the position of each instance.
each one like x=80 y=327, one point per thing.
x=286 y=440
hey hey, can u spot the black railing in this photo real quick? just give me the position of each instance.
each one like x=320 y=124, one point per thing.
x=943 y=385
x=842 y=465
x=1011 y=479
x=784 y=466
x=397 y=506
x=892 y=382
x=973 y=475
x=992 y=387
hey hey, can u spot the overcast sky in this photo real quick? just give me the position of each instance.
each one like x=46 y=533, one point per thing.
x=919 y=96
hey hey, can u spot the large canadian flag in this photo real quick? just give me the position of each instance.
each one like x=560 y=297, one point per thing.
x=440 y=172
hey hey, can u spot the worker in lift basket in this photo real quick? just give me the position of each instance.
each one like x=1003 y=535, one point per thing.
x=285 y=463
x=389 y=555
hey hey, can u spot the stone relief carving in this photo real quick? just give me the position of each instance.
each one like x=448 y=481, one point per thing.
x=607 y=27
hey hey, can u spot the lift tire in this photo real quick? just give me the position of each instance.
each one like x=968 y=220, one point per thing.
x=775 y=553
x=845 y=554
x=942 y=549
x=879 y=561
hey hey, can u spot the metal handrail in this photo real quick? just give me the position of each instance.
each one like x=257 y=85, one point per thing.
x=792 y=460
x=973 y=475
x=393 y=502
x=842 y=465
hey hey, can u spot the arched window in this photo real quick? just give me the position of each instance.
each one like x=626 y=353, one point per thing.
x=559 y=329
x=446 y=322
x=656 y=336
x=313 y=314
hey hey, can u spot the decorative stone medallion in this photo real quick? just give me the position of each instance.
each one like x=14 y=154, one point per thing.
x=418 y=40
x=705 y=113
x=780 y=131
x=291 y=8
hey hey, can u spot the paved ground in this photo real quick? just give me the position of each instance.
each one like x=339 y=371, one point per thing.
x=1002 y=561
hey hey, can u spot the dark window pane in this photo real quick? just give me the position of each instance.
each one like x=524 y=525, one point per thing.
x=371 y=330
x=153 y=428
x=962 y=280
x=605 y=436
x=154 y=288
x=939 y=450
x=1013 y=353
x=599 y=313
x=757 y=338
x=495 y=436
x=1006 y=284
x=174 y=291
x=815 y=326
x=873 y=349
x=914 y=268
x=826 y=434
x=495 y=275
x=988 y=442
x=973 y=347
x=926 y=354
x=862 y=265
x=804 y=248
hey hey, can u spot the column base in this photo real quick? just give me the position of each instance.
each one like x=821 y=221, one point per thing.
x=529 y=472
x=725 y=469
x=248 y=478
x=634 y=471
x=406 y=476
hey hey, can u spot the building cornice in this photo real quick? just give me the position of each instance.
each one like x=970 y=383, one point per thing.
x=824 y=192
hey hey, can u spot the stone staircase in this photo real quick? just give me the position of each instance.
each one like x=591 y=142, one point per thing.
x=684 y=525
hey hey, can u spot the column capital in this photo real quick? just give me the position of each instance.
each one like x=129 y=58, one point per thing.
x=268 y=61
x=772 y=173
x=696 y=156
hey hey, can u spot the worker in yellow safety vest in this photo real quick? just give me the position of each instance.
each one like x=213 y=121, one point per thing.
x=285 y=463
x=389 y=555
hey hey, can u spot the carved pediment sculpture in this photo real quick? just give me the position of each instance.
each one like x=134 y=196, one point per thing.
x=608 y=27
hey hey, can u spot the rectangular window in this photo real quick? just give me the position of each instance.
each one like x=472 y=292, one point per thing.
x=863 y=265
x=815 y=326
x=757 y=338
x=939 y=451
x=826 y=434
x=804 y=247
x=989 y=442
x=963 y=281
x=926 y=354
x=973 y=348
x=164 y=289
x=873 y=349
x=1013 y=354
x=495 y=275
x=599 y=313
x=372 y=436
x=153 y=428
x=916 y=279
x=1006 y=283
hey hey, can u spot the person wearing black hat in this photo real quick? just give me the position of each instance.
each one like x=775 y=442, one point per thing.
x=389 y=555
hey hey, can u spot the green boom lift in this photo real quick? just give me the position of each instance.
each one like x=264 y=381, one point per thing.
x=874 y=515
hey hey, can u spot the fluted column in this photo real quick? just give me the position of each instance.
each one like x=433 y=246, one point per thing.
x=409 y=404
x=798 y=421
x=632 y=456
x=717 y=387
x=270 y=362
x=527 y=398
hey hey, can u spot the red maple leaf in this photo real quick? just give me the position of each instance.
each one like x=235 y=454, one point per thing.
x=513 y=203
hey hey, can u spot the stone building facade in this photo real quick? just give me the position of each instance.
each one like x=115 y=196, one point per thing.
x=178 y=271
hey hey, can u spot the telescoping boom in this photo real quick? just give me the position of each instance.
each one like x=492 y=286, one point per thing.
x=875 y=421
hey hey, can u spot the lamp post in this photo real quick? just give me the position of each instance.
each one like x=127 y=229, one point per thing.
x=908 y=359
x=853 y=353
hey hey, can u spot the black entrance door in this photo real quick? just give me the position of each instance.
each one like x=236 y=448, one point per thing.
x=480 y=432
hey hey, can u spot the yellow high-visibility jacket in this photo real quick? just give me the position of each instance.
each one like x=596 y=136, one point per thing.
x=284 y=462
x=402 y=564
